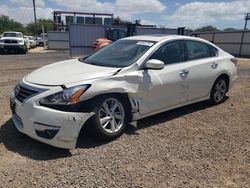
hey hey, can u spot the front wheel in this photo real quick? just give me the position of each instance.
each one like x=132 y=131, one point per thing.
x=218 y=92
x=111 y=117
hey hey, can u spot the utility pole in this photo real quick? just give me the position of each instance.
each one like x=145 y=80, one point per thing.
x=41 y=22
x=246 y=19
x=34 y=7
x=243 y=32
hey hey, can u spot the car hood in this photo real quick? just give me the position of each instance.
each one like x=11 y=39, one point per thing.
x=11 y=38
x=67 y=72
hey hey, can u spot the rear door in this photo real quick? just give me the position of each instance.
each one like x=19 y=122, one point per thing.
x=202 y=67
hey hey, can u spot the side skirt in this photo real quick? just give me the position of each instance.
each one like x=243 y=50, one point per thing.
x=137 y=116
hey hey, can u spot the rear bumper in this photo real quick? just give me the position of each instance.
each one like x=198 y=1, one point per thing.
x=233 y=78
x=53 y=127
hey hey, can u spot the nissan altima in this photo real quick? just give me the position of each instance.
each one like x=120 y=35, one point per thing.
x=128 y=80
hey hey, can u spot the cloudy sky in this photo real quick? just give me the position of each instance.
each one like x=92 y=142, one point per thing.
x=169 y=13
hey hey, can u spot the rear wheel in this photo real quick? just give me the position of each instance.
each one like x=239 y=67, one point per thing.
x=111 y=117
x=219 y=90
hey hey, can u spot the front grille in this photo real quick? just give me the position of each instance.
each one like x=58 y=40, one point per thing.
x=23 y=93
x=10 y=41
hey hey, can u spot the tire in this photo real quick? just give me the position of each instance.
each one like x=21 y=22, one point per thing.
x=24 y=51
x=110 y=119
x=218 y=91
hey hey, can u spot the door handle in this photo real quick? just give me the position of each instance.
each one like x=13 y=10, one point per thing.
x=214 y=65
x=184 y=74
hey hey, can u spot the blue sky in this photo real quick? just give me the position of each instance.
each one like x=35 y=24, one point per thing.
x=184 y=13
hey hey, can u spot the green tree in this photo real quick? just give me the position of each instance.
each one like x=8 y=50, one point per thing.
x=7 y=24
x=34 y=29
x=231 y=29
x=206 y=29
x=119 y=21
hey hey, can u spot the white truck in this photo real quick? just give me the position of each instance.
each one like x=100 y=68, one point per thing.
x=13 y=41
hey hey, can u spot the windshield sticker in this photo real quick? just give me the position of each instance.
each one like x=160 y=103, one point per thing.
x=145 y=43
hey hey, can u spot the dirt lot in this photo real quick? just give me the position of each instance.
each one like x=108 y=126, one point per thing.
x=193 y=146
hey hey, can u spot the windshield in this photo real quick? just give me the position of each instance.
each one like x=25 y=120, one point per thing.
x=12 y=35
x=121 y=53
x=31 y=38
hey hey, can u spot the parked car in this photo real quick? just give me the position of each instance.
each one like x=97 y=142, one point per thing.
x=128 y=80
x=39 y=41
x=32 y=41
x=44 y=36
x=12 y=41
x=27 y=41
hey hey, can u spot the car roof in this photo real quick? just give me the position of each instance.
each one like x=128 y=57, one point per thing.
x=159 y=37
x=11 y=32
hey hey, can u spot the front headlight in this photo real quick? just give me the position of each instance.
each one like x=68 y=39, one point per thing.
x=20 y=41
x=67 y=96
x=1 y=41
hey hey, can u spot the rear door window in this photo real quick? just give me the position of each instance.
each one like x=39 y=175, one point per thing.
x=197 y=50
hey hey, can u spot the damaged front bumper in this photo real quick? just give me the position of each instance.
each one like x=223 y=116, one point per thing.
x=53 y=127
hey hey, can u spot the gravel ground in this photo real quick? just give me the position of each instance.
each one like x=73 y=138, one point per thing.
x=193 y=146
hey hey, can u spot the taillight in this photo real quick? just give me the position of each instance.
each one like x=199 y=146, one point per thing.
x=234 y=61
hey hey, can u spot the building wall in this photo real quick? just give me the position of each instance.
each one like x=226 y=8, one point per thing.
x=234 y=42
x=58 y=40
x=82 y=37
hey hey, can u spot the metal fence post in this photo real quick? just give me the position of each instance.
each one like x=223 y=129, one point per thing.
x=241 y=42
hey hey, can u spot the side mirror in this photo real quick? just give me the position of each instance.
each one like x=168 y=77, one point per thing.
x=154 y=64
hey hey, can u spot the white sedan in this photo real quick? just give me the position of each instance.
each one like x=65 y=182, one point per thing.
x=128 y=80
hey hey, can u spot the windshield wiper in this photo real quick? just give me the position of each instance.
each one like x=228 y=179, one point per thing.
x=80 y=59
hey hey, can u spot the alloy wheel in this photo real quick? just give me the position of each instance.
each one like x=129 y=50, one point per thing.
x=220 y=90
x=111 y=115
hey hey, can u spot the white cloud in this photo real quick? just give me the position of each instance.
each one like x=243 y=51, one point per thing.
x=127 y=8
x=196 y=14
x=22 y=10
x=25 y=14
x=147 y=22
x=28 y=3
x=85 y=5
x=122 y=8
